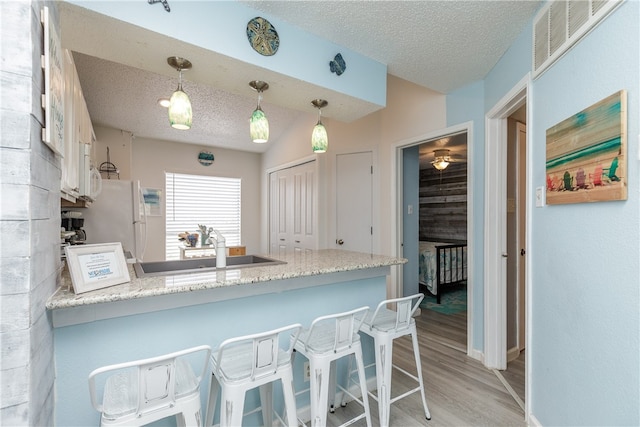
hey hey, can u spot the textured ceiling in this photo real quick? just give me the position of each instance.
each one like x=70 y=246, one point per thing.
x=442 y=45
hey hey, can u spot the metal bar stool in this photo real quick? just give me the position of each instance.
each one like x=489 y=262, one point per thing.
x=328 y=339
x=143 y=391
x=244 y=363
x=384 y=326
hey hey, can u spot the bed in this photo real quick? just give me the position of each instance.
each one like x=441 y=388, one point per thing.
x=442 y=266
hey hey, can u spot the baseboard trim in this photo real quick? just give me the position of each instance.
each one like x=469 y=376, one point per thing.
x=513 y=353
x=533 y=421
x=477 y=355
x=510 y=389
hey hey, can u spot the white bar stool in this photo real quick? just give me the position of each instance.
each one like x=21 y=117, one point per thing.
x=384 y=326
x=244 y=363
x=328 y=339
x=143 y=391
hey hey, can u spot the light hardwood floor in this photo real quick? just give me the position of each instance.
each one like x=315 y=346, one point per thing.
x=460 y=391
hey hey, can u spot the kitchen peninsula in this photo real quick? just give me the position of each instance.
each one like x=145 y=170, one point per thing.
x=151 y=316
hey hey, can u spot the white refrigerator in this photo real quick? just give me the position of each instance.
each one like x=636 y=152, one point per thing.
x=118 y=215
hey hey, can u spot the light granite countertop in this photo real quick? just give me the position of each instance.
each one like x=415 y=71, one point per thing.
x=300 y=265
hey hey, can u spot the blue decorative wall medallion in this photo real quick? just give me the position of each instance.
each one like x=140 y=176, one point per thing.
x=205 y=158
x=263 y=36
x=338 y=65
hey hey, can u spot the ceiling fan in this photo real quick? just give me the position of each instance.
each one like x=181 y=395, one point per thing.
x=443 y=157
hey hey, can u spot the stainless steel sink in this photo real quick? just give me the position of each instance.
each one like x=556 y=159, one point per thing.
x=198 y=265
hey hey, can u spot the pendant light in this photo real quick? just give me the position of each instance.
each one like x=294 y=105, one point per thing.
x=180 y=114
x=319 y=138
x=441 y=159
x=258 y=123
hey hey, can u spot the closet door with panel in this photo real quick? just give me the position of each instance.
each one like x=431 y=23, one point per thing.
x=293 y=209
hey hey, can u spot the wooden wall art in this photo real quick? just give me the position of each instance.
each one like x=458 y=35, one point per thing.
x=587 y=154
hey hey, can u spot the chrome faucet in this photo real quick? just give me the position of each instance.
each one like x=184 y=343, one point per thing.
x=221 y=249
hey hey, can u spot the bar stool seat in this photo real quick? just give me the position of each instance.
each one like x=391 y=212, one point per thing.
x=328 y=339
x=140 y=392
x=384 y=326
x=244 y=363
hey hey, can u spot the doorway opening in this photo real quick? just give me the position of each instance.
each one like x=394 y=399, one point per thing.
x=506 y=233
x=434 y=216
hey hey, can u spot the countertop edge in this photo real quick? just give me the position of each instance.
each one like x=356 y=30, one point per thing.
x=323 y=262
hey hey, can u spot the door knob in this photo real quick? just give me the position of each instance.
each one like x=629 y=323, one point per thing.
x=522 y=252
x=339 y=241
x=504 y=255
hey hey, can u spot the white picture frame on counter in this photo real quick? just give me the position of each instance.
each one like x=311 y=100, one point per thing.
x=96 y=266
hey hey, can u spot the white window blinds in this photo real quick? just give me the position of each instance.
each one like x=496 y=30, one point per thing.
x=198 y=199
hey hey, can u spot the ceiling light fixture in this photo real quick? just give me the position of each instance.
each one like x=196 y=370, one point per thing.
x=441 y=159
x=258 y=123
x=180 y=114
x=319 y=138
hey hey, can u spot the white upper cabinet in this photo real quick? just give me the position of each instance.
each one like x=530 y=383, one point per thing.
x=70 y=180
x=78 y=131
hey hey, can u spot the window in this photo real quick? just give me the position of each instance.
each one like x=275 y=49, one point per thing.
x=197 y=199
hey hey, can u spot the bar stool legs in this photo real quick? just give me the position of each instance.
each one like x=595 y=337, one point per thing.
x=416 y=354
x=384 y=326
x=328 y=339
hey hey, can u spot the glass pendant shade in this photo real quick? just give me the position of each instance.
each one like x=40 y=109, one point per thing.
x=259 y=126
x=319 y=139
x=258 y=123
x=180 y=114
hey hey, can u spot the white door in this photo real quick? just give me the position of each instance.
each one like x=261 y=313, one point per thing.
x=522 y=232
x=354 y=202
x=293 y=209
x=303 y=231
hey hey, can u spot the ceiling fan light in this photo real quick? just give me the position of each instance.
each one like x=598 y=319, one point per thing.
x=441 y=159
x=440 y=163
x=180 y=114
x=319 y=139
x=259 y=126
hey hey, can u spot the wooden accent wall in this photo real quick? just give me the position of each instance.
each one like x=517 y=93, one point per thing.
x=443 y=204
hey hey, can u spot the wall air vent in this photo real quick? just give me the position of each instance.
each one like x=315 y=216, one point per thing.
x=561 y=23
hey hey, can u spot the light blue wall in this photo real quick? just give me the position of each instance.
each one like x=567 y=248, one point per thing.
x=410 y=223
x=80 y=349
x=463 y=105
x=220 y=26
x=512 y=67
x=586 y=276
x=584 y=348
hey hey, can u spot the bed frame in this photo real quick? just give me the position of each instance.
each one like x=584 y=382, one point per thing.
x=456 y=274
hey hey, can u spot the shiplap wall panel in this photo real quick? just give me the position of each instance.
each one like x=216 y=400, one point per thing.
x=443 y=203
x=29 y=223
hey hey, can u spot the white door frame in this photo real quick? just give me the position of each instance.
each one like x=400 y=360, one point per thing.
x=396 y=215
x=521 y=220
x=495 y=214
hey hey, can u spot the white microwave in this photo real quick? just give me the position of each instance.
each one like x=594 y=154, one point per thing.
x=90 y=179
